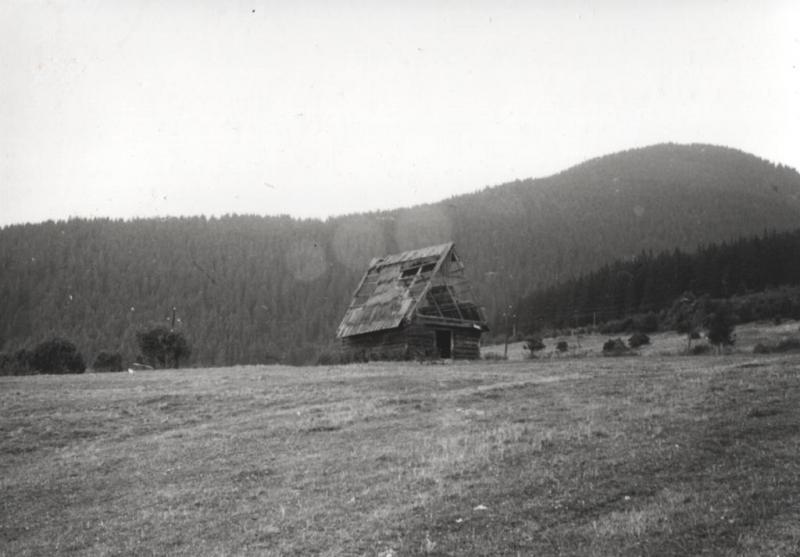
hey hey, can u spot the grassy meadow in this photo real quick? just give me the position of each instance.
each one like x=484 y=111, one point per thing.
x=648 y=455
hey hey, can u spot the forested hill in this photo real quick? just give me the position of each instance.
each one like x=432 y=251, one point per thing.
x=254 y=289
x=762 y=273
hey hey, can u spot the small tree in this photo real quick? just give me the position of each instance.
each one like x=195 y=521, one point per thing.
x=615 y=347
x=57 y=355
x=162 y=347
x=177 y=348
x=533 y=345
x=151 y=345
x=18 y=363
x=638 y=339
x=720 y=327
x=691 y=314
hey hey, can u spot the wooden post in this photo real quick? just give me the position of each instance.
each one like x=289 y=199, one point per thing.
x=506 y=315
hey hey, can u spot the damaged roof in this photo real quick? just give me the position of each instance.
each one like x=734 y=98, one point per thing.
x=428 y=281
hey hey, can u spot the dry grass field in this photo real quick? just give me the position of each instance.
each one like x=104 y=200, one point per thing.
x=584 y=456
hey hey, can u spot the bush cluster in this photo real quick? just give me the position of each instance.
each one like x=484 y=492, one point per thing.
x=163 y=347
x=18 y=363
x=56 y=355
x=615 y=347
x=700 y=349
x=533 y=345
x=720 y=326
x=638 y=339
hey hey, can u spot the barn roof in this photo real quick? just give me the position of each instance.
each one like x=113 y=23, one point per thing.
x=427 y=281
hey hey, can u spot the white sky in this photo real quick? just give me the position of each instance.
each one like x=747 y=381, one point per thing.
x=137 y=108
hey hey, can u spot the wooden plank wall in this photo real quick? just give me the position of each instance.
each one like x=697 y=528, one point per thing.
x=415 y=341
x=412 y=342
x=379 y=345
x=466 y=344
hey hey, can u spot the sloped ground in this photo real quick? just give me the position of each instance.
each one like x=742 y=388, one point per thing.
x=585 y=456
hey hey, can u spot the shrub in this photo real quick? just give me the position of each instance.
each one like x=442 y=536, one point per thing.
x=6 y=361
x=700 y=349
x=163 y=347
x=533 y=345
x=57 y=355
x=108 y=361
x=614 y=347
x=638 y=339
x=562 y=346
x=18 y=363
x=494 y=356
x=720 y=327
x=685 y=314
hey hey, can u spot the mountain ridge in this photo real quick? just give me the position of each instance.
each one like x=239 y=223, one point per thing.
x=252 y=289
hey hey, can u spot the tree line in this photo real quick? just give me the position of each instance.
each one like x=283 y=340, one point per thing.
x=262 y=289
x=645 y=288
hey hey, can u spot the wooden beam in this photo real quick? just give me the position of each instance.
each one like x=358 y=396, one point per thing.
x=435 y=271
x=447 y=321
x=435 y=303
x=458 y=309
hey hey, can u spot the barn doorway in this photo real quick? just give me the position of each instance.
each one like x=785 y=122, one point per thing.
x=444 y=343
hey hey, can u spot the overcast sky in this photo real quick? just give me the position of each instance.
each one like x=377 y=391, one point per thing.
x=137 y=108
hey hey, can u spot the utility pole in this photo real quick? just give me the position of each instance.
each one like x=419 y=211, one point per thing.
x=507 y=314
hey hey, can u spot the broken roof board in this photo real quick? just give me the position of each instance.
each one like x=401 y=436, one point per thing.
x=391 y=289
x=431 y=251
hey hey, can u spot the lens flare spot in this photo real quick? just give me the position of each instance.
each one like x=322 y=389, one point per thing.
x=305 y=260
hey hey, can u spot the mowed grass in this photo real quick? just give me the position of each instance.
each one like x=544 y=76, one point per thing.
x=590 y=456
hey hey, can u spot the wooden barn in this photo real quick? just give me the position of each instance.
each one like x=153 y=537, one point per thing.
x=415 y=304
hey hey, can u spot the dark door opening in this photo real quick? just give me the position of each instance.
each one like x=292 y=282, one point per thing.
x=444 y=343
